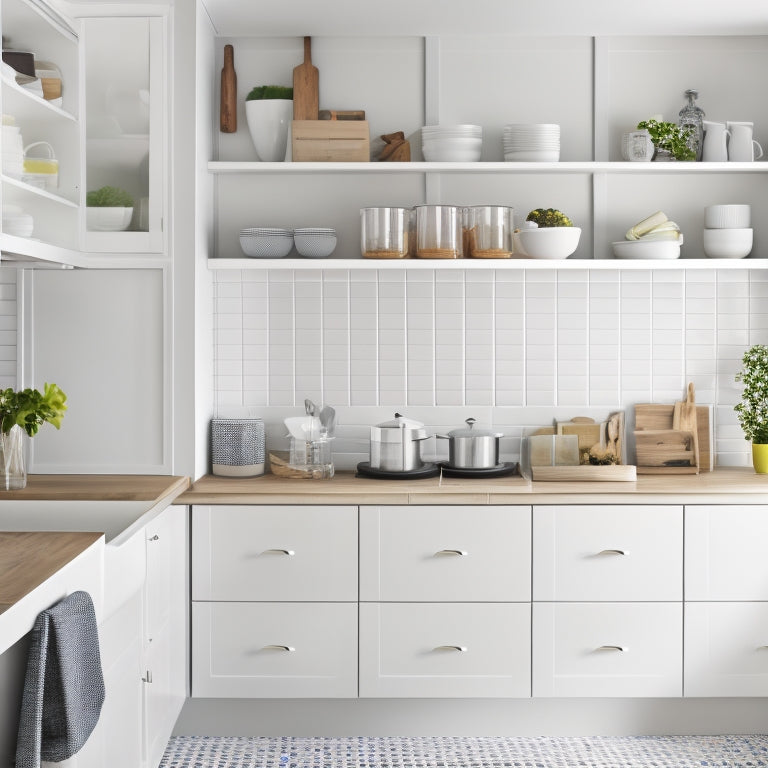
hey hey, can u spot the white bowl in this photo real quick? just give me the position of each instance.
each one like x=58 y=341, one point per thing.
x=647 y=249
x=532 y=156
x=547 y=242
x=728 y=216
x=266 y=246
x=107 y=219
x=314 y=246
x=727 y=243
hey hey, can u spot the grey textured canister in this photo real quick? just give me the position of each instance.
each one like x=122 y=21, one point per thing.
x=237 y=447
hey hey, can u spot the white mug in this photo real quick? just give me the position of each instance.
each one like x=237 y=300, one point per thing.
x=715 y=148
x=742 y=147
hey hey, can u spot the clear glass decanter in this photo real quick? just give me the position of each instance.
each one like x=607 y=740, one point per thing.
x=693 y=116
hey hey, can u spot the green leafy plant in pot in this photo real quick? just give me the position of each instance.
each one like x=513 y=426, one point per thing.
x=269 y=112
x=753 y=408
x=25 y=411
x=108 y=209
x=669 y=139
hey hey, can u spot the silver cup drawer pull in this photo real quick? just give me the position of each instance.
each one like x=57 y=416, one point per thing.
x=624 y=552
x=278 y=648
x=455 y=552
x=621 y=648
x=459 y=648
x=288 y=552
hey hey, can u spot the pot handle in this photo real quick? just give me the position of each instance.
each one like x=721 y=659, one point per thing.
x=443 y=437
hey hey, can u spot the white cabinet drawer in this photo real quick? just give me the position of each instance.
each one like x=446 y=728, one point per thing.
x=607 y=649
x=726 y=649
x=274 y=650
x=440 y=650
x=274 y=553
x=607 y=552
x=725 y=552
x=435 y=553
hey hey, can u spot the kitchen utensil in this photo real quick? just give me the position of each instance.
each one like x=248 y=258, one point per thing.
x=488 y=232
x=396 y=445
x=228 y=106
x=306 y=80
x=728 y=216
x=684 y=419
x=547 y=242
x=384 y=233
x=742 y=147
x=313 y=455
x=727 y=243
x=341 y=114
x=438 y=232
x=715 y=145
x=328 y=419
x=309 y=407
x=472 y=448
x=237 y=447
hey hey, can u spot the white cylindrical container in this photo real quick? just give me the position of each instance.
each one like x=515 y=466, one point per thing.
x=237 y=447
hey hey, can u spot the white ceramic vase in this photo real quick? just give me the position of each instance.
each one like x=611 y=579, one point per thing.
x=269 y=121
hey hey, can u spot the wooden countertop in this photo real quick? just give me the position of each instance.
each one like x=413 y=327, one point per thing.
x=29 y=559
x=726 y=485
x=99 y=487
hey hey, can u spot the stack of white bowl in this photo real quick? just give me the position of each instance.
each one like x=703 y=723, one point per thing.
x=452 y=143
x=531 y=142
x=266 y=242
x=13 y=149
x=17 y=222
x=727 y=233
x=315 y=242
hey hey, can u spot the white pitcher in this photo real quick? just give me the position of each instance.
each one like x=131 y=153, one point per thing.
x=715 y=149
x=742 y=147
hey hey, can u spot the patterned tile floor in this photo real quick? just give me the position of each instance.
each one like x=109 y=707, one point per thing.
x=468 y=752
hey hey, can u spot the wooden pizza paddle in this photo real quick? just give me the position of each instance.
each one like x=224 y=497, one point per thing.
x=306 y=89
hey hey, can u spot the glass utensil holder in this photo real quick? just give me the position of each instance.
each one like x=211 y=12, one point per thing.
x=313 y=456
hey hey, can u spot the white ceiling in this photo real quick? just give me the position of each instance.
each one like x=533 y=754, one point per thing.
x=238 y=18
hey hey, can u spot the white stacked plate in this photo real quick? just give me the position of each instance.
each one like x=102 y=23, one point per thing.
x=315 y=242
x=452 y=143
x=266 y=242
x=17 y=222
x=13 y=151
x=531 y=142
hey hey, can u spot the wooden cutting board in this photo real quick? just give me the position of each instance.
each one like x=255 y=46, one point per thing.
x=684 y=419
x=306 y=87
x=228 y=111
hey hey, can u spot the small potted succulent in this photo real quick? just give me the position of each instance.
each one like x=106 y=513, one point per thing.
x=670 y=139
x=269 y=111
x=753 y=408
x=24 y=410
x=108 y=209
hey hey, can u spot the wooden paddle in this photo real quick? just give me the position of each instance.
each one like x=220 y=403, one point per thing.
x=228 y=112
x=306 y=87
x=684 y=419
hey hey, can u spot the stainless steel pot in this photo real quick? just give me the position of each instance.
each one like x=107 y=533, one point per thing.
x=396 y=445
x=473 y=448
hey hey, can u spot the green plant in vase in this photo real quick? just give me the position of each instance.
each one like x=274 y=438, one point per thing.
x=753 y=408
x=669 y=138
x=21 y=411
x=269 y=112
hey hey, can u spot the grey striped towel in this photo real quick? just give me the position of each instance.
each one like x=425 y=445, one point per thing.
x=64 y=685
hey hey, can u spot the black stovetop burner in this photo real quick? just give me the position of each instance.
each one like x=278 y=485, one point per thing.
x=364 y=469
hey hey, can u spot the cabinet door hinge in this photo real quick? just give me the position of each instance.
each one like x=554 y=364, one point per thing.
x=148 y=677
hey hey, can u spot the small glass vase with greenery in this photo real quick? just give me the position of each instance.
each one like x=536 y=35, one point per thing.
x=669 y=138
x=25 y=410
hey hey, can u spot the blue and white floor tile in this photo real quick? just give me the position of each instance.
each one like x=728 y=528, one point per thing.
x=468 y=752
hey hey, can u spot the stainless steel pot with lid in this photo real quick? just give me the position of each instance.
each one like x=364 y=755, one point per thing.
x=473 y=447
x=396 y=445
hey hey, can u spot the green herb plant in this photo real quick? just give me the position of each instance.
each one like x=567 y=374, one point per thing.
x=270 y=92
x=30 y=409
x=671 y=137
x=753 y=408
x=108 y=197
x=549 y=217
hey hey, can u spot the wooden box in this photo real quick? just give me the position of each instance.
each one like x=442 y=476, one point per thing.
x=330 y=141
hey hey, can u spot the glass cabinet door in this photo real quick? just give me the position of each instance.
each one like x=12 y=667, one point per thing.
x=124 y=190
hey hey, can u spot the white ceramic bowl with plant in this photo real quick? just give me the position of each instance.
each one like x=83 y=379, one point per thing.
x=546 y=234
x=108 y=209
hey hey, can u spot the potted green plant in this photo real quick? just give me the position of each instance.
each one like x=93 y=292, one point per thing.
x=108 y=209
x=670 y=139
x=753 y=408
x=21 y=411
x=268 y=112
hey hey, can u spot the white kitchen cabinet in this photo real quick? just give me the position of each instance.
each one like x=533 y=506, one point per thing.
x=607 y=649
x=445 y=650
x=274 y=650
x=608 y=552
x=445 y=554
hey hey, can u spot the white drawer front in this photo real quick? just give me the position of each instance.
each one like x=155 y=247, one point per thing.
x=440 y=650
x=435 y=553
x=274 y=650
x=725 y=552
x=607 y=649
x=609 y=552
x=274 y=553
x=726 y=649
